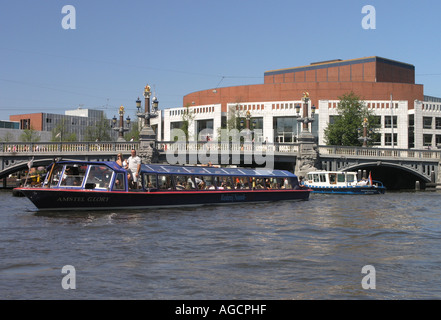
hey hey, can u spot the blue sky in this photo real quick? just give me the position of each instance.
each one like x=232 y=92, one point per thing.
x=184 y=46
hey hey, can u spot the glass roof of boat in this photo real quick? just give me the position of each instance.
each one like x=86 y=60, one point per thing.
x=205 y=170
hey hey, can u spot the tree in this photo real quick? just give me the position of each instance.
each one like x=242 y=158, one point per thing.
x=30 y=135
x=351 y=113
x=187 y=118
x=133 y=133
x=235 y=117
x=100 y=131
x=8 y=137
x=60 y=133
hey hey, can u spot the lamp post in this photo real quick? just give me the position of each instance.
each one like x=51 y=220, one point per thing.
x=365 y=138
x=147 y=136
x=305 y=119
x=307 y=158
x=121 y=129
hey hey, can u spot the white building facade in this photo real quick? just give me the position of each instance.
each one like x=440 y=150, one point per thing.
x=401 y=126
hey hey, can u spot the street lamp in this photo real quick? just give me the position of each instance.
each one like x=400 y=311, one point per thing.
x=365 y=138
x=148 y=113
x=305 y=119
x=121 y=128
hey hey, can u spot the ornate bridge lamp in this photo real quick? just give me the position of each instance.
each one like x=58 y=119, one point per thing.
x=121 y=129
x=307 y=158
x=147 y=136
x=365 y=138
x=305 y=119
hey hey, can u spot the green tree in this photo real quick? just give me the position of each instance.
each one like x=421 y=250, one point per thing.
x=133 y=133
x=187 y=119
x=8 y=137
x=351 y=113
x=235 y=117
x=30 y=135
x=60 y=133
x=100 y=131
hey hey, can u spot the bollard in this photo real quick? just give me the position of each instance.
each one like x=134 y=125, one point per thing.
x=432 y=177
x=417 y=186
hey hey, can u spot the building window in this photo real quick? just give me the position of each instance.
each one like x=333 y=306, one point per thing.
x=427 y=140
x=411 y=132
x=438 y=140
x=437 y=123
x=388 y=139
x=388 y=121
x=427 y=122
x=285 y=129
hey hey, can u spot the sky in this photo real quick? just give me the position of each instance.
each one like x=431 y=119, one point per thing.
x=179 y=47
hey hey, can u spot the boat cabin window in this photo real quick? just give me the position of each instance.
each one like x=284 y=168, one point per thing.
x=165 y=182
x=316 y=177
x=242 y=183
x=100 y=175
x=350 y=177
x=258 y=183
x=332 y=178
x=119 y=183
x=73 y=175
x=224 y=183
x=341 y=177
x=287 y=184
x=322 y=177
x=149 y=181
x=209 y=183
x=185 y=182
x=56 y=175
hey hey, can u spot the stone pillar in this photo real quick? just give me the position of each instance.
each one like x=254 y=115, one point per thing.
x=308 y=157
x=147 y=136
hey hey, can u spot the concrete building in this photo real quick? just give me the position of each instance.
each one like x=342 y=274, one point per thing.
x=74 y=121
x=409 y=119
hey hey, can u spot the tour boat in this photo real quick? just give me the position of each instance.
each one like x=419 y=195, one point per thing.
x=342 y=183
x=86 y=185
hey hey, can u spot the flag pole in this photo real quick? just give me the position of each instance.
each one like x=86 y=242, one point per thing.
x=30 y=163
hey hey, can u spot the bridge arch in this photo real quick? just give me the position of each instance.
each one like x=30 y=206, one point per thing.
x=418 y=174
x=23 y=165
x=393 y=175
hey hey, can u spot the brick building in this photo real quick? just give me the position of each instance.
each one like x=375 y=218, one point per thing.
x=409 y=119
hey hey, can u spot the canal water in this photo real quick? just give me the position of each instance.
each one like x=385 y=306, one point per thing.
x=313 y=249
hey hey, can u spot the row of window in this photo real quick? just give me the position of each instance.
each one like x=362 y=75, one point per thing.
x=191 y=182
x=101 y=177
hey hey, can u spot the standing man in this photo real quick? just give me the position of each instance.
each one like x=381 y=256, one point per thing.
x=134 y=167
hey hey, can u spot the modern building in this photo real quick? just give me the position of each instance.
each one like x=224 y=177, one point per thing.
x=74 y=121
x=408 y=117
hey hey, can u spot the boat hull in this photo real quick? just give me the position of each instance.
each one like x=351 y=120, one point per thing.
x=56 y=199
x=349 y=190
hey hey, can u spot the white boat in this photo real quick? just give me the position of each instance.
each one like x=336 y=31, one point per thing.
x=341 y=182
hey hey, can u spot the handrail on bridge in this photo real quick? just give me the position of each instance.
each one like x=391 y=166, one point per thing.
x=41 y=148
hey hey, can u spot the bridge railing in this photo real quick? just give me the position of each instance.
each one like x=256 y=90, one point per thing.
x=65 y=147
x=378 y=152
x=195 y=146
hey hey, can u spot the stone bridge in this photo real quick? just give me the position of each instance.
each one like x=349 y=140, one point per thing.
x=421 y=165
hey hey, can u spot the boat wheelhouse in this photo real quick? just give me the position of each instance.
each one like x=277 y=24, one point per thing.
x=105 y=185
x=341 y=182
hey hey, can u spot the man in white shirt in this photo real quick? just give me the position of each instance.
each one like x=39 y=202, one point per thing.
x=134 y=165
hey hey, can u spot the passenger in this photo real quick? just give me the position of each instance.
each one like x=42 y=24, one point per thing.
x=120 y=161
x=134 y=166
x=179 y=186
